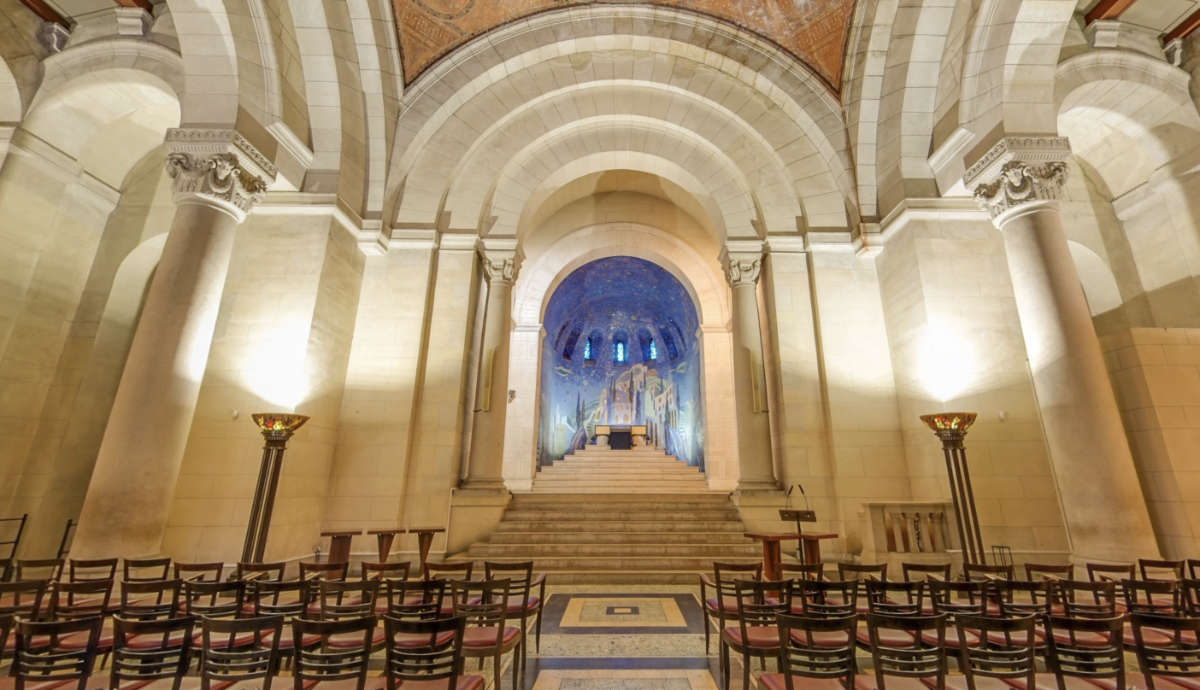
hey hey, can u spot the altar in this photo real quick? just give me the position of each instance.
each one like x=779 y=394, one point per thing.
x=620 y=436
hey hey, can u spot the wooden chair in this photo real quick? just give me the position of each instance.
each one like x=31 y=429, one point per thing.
x=1089 y=649
x=985 y=571
x=421 y=653
x=150 y=599
x=84 y=600
x=214 y=599
x=382 y=571
x=199 y=572
x=145 y=651
x=1156 y=569
x=484 y=606
x=753 y=629
x=1174 y=657
x=1087 y=599
x=1023 y=597
x=24 y=598
x=1153 y=596
x=448 y=571
x=862 y=573
x=824 y=598
x=324 y=663
x=1046 y=571
x=90 y=570
x=339 y=600
x=897 y=598
x=812 y=652
x=994 y=647
x=39 y=569
x=923 y=571
x=146 y=569
x=1193 y=568
x=723 y=571
x=226 y=663
x=310 y=570
x=260 y=571
x=957 y=598
x=41 y=658
x=286 y=600
x=802 y=571
x=524 y=604
x=1113 y=573
x=896 y=651
x=419 y=600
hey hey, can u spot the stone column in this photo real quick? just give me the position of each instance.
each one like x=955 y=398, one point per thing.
x=218 y=176
x=1019 y=182
x=743 y=264
x=485 y=469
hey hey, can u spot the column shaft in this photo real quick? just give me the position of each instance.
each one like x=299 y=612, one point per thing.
x=753 y=425
x=486 y=465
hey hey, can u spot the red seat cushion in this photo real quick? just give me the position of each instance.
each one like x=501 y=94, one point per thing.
x=1189 y=682
x=775 y=681
x=888 y=637
x=1155 y=637
x=1133 y=680
x=530 y=604
x=866 y=681
x=820 y=639
x=352 y=640
x=461 y=683
x=930 y=638
x=758 y=636
x=1047 y=681
x=1082 y=639
x=486 y=637
x=413 y=640
x=286 y=640
x=221 y=640
x=729 y=604
x=959 y=682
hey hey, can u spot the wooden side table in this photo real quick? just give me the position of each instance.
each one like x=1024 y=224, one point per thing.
x=424 y=541
x=811 y=545
x=339 y=544
x=385 y=538
x=772 y=556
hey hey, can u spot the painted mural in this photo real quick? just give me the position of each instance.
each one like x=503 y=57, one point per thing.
x=815 y=31
x=621 y=347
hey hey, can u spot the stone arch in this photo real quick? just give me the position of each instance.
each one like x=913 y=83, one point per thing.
x=542 y=273
x=866 y=62
x=1099 y=285
x=10 y=95
x=627 y=43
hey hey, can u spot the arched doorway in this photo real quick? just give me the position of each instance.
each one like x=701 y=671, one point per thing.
x=621 y=347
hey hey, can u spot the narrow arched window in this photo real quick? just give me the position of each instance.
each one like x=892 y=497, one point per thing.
x=620 y=352
x=653 y=351
x=587 y=349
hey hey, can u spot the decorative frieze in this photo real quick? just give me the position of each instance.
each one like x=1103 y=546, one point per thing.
x=1021 y=183
x=1027 y=149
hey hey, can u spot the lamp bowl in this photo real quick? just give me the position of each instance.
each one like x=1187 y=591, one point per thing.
x=949 y=422
x=278 y=424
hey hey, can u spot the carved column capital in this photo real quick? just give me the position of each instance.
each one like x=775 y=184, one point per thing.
x=501 y=260
x=1018 y=171
x=217 y=167
x=742 y=261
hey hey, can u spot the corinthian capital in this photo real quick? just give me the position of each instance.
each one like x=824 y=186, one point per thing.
x=1021 y=183
x=217 y=167
x=742 y=261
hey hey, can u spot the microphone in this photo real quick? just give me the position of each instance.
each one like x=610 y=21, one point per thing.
x=801 y=487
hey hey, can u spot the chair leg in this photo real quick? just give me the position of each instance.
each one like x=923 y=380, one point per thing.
x=538 y=633
x=519 y=663
x=725 y=665
x=707 y=634
x=496 y=666
x=746 y=670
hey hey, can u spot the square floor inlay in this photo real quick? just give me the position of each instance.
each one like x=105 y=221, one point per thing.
x=602 y=612
x=625 y=680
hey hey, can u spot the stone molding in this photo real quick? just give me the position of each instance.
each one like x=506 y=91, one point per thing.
x=1021 y=183
x=742 y=261
x=217 y=167
x=1027 y=149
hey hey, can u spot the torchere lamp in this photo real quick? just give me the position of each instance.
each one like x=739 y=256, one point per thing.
x=276 y=428
x=951 y=428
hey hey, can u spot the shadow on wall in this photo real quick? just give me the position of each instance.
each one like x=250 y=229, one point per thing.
x=621 y=348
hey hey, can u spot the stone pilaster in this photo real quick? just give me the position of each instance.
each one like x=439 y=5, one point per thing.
x=1019 y=182
x=218 y=177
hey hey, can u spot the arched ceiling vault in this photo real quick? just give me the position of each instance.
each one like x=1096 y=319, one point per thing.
x=766 y=117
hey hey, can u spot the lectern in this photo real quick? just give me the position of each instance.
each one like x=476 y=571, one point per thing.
x=809 y=547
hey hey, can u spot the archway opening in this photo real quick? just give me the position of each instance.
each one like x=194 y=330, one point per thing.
x=621 y=348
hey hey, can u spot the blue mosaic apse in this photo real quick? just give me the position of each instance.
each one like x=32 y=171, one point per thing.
x=621 y=347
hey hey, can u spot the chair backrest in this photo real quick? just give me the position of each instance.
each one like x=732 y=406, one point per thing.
x=80 y=599
x=24 y=598
x=802 y=571
x=1085 y=648
x=404 y=602
x=275 y=598
x=1087 y=598
x=146 y=569
x=1176 y=657
x=214 y=599
x=1158 y=569
x=759 y=602
x=40 y=657
x=1021 y=597
x=956 y=598
x=342 y=599
x=1192 y=565
x=1047 y=571
x=1111 y=572
x=7 y=621
x=813 y=647
x=260 y=571
x=146 y=662
x=1153 y=596
x=311 y=570
x=448 y=571
x=385 y=571
x=520 y=574
x=896 y=598
x=200 y=572
x=862 y=571
x=725 y=570
x=151 y=599
x=39 y=568
x=826 y=598
x=322 y=662
x=986 y=571
x=1189 y=589
x=912 y=661
x=81 y=570
x=426 y=651
x=924 y=571
x=996 y=647
x=483 y=603
x=236 y=650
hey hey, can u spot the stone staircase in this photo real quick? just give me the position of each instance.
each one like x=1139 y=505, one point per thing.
x=618 y=517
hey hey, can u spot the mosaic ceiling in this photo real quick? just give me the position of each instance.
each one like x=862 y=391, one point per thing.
x=812 y=30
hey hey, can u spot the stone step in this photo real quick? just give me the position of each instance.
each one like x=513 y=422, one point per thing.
x=515 y=539
x=711 y=498
x=623 y=526
x=609 y=563
x=740 y=549
x=588 y=464
x=663 y=514
x=609 y=487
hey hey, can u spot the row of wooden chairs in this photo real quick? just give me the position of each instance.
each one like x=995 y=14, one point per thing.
x=418 y=653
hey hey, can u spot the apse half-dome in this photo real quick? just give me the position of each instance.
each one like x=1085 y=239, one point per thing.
x=621 y=347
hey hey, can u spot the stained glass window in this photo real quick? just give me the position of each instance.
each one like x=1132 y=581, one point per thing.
x=587 y=349
x=653 y=351
x=620 y=352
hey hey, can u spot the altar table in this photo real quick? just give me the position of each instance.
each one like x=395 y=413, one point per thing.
x=339 y=544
